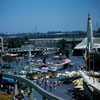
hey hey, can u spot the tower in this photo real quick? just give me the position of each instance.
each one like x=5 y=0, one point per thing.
x=89 y=33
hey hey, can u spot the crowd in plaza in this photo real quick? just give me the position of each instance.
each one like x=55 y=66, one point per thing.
x=54 y=84
x=19 y=96
x=47 y=83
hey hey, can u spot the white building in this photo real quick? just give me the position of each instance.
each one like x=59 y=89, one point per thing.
x=80 y=48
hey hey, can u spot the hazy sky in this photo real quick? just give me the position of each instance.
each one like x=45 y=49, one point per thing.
x=47 y=15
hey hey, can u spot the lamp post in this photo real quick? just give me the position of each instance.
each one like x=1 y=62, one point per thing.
x=2 y=45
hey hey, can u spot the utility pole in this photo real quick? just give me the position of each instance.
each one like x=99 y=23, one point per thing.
x=2 y=45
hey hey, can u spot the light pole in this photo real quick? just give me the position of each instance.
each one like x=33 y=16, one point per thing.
x=2 y=44
x=30 y=67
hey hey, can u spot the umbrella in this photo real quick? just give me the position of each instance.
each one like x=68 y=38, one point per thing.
x=96 y=74
x=87 y=73
x=76 y=73
x=75 y=81
x=68 y=75
x=97 y=79
x=78 y=87
x=79 y=83
x=81 y=79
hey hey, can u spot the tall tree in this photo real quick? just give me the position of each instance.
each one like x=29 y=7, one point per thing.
x=8 y=59
x=94 y=61
x=16 y=42
x=73 y=43
x=63 y=47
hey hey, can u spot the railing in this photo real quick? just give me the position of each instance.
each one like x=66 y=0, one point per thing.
x=93 y=83
x=31 y=84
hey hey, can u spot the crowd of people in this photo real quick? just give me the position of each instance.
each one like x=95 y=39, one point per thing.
x=19 y=96
x=46 y=83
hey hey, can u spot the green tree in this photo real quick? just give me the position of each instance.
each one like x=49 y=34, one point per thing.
x=63 y=47
x=16 y=42
x=66 y=51
x=73 y=43
x=62 y=44
x=94 y=61
x=8 y=59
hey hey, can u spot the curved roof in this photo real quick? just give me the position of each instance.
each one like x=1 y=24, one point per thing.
x=83 y=44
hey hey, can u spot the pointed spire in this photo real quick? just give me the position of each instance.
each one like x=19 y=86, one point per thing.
x=89 y=17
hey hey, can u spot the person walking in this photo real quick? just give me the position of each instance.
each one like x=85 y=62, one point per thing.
x=51 y=82
x=37 y=81
x=45 y=86
x=40 y=83
x=55 y=86
x=42 y=80
x=50 y=87
x=46 y=83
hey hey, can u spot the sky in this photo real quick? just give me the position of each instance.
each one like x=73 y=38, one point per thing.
x=18 y=16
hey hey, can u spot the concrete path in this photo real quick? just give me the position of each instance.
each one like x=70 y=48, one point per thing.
x=94 y=83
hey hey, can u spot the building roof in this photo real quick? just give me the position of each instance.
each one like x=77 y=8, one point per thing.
x=83 y=44
x=46 y=39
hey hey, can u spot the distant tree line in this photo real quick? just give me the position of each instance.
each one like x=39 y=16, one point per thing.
x=16 y=42
x=49 y=34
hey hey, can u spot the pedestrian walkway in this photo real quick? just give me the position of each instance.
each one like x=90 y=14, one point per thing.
x=93 y=83
x=60 y=90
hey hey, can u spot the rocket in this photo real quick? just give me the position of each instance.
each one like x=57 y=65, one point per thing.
x=89 y=33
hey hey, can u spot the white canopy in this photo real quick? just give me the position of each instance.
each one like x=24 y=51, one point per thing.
x=83 y=44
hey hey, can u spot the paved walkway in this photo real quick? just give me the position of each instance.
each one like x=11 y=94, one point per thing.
x=95 y=84
x=63 y=89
